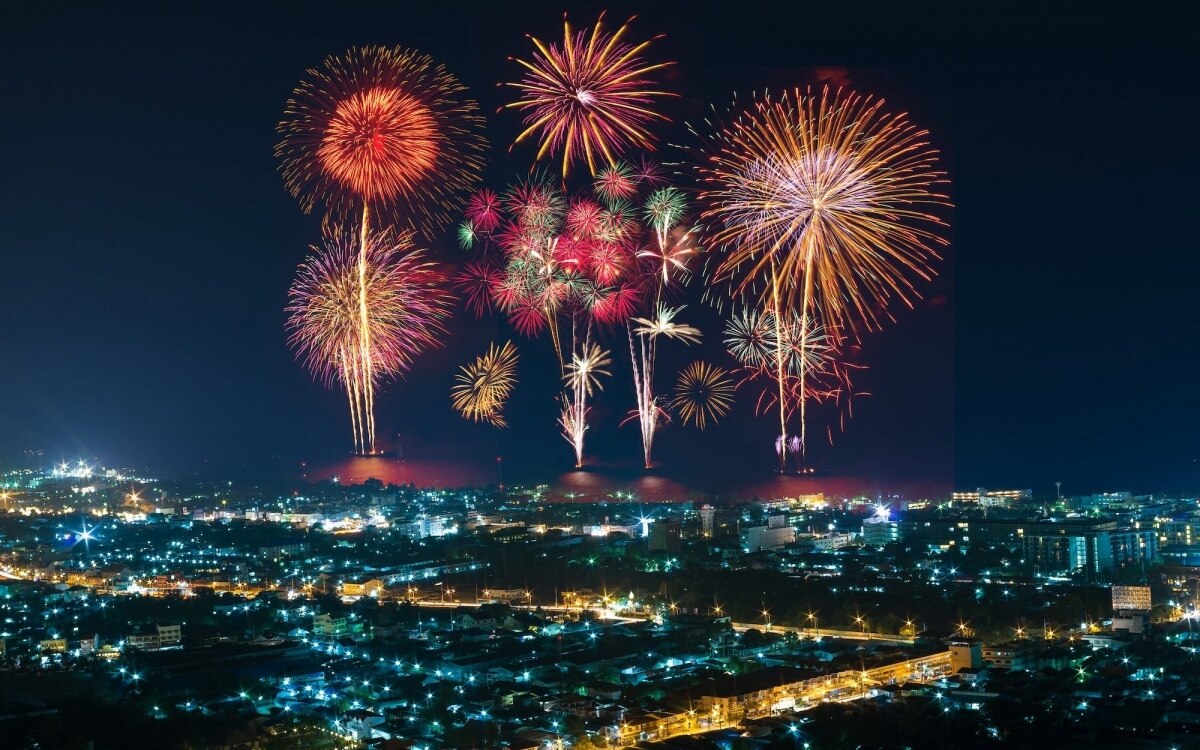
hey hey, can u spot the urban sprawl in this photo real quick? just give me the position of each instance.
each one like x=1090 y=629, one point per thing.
x=228 y=614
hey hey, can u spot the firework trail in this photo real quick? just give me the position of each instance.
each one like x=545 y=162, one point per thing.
x=703 y=394
x=760 y=344
x=643 y=357
x=482 y=388
x=591 y=97
x=666 y=261
x=582 y=377
x=406 y=311
x=379 y=131
x=821 y=202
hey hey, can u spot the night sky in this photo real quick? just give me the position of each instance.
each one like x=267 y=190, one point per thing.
x=147 y=244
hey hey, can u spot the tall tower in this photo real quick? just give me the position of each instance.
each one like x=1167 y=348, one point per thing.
x=706 y=519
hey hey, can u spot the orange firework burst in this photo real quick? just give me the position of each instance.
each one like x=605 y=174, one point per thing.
x=826 y=205
x=826 y=198
x=591 y=97
x=385 y=130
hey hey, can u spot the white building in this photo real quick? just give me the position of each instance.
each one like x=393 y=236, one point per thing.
x=757 y=538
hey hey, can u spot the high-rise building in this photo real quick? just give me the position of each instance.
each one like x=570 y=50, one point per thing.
x=966 y=655
x=665 y=536
x=1131 y=608
x=1094 y=547
x=879 y=531
x=707 y=514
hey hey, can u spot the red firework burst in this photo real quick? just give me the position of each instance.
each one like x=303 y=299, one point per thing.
x=382 y=128
x=583 y=218
x=484 y=210
x=527 y=317
x=616 y=182
x=590 y=97
x=608 y=262
x=476 y=281
x=616 y=305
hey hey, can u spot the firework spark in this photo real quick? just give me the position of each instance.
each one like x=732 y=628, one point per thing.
x=582 y=377
x=591 y=97
x=773 y=356
x=482 y=388
x=822 y=203
x=406 y=310
x=383 y=128
x=703 y=394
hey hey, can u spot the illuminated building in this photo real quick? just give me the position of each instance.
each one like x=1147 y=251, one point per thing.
x=162 y=636
x=328 y=629
x=758 y=538
x=707 y=514
x=877 y=532
x=1131 y=608
x=986 y=498
x=966 y=655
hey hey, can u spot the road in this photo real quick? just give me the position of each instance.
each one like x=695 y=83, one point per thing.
x=852 y=635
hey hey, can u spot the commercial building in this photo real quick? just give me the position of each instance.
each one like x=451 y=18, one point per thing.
x=162 y=636
x=877 y=532
x=823 y=542
x=758 y=538
x=986 y=498
x=327 y=628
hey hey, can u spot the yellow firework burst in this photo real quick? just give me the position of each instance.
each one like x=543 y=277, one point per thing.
x=481 y=389
x=703 y=394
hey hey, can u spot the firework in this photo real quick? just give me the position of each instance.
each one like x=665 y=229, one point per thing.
x=616 y=182
x=482 y=388
x=643 y=355
x=379 y=131
x=582 y=377
x=663 y=324
x=564 y=264
x=824 y=204
x=773 y=356
x=591 y=97
x=703 y=394
x=382 y=129
x=756 y=340
x=406 y=308
x=663 y=213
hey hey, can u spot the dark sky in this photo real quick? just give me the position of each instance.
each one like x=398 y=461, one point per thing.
x=146 y=242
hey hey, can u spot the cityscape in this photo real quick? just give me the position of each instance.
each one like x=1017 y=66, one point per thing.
x=227 y=615
x=656 y=376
